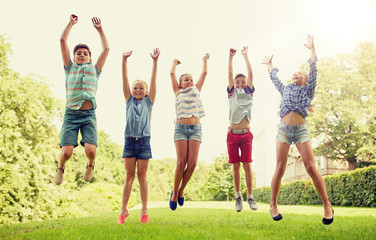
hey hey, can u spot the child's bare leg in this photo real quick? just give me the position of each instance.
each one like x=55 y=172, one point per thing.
x=282 y=153
x=236 y=176
x=142 y=168
x=305 y=150
x=130 y=168
x=248 y=176
x=182 y=154
x=65 y=154
x=91 y=152
x=193 y=149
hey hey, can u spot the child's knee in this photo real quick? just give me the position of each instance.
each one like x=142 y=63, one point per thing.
x=91 y=153
x=66 y=153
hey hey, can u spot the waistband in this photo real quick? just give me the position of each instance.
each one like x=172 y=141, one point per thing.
x=67 y=109
x=284 y=125
x=136 y=138
x=238 y=131
x=188 y=126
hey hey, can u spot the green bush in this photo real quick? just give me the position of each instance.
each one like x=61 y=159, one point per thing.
x=355 y=188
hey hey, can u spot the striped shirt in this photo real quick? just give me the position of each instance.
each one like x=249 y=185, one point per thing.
x=240 y=101
x=296 y=98
x=81 y=84
x=188 y=103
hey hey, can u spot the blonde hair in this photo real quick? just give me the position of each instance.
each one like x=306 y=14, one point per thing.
x=145 y=85
x=141 y=81
x=181 y=77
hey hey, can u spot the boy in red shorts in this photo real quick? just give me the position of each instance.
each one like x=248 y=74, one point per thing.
x=240 y=95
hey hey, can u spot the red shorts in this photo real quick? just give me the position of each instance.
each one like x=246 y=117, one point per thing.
x=239 y=141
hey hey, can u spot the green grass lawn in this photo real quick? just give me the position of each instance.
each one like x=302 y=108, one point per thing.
x=206 y=220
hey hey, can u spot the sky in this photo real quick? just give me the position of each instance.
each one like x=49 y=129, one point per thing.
x=185 y=30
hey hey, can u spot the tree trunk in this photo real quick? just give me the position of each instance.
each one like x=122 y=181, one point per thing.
x=352 y=165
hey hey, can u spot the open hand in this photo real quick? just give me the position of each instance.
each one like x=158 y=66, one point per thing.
x=310 y=45
x=127 y=54
x=267 y=60
x=96 y=22
x=155 y=54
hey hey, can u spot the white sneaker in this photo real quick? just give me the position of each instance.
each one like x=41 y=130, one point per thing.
x=252 y=203
x=239 y=204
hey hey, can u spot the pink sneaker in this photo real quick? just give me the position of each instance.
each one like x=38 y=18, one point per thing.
x=122 y=218
x=144 y=218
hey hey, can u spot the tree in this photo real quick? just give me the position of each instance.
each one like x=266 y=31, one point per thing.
x=345 y=111
x=28 y=142
x=218 y=181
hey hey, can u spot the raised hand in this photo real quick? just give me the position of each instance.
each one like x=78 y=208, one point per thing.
x=206 y=57
x=155 y=54
x=232 y=52
x=244 y=50
x=127 y=54
x=267 y=60
x=310 y=45
x=175 y=61
x=96 y=22
x=73 y=18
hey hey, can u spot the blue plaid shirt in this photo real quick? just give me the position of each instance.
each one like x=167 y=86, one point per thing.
x=296 y=98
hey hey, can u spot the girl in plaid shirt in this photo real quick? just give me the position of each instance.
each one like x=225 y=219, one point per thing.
x=296 y=98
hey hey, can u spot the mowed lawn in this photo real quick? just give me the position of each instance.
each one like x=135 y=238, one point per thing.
x=205 y=220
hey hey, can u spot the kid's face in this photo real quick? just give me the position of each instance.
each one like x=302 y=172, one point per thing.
x=186 y=82
x=300 y=78
x=138 y=90
x=82 y=56
x=240 y=82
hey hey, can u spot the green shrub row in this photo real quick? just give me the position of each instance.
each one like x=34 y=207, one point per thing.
x=355 y=188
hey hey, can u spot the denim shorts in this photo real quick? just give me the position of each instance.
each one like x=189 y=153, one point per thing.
x=79 y=120
x=137 y=147
x=188 y=132
x=292 y=133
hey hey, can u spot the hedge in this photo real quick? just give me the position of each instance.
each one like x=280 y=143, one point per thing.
x=355 y=188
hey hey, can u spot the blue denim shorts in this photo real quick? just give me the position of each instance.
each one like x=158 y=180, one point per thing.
x=188 y=132
x=79 y=120
x=137 y=147
x=292 y=133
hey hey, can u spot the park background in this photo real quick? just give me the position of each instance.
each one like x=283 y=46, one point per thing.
x=33 y=92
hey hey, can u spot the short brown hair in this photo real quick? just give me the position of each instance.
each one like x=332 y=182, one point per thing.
x=239 y=75
x=81 y=45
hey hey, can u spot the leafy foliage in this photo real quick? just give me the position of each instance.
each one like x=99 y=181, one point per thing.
x=344 y=121
x=355 y=188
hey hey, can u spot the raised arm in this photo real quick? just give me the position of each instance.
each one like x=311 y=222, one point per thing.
x=311 y=46
x=273 y=74
x=153 y=85
x=312 y=75
x=268 y=62
x=201 y=80
x=126 y=87
x=230 y=71
x=64 y=39
x=249 y=68
x=174 y=81
x=105 y=47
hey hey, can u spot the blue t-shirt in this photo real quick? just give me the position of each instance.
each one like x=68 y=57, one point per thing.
x=138 y=117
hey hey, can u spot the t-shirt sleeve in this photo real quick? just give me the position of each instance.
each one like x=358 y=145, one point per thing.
x=230 y=91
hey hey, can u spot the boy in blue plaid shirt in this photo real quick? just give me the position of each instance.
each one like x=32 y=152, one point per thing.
x=296 y=98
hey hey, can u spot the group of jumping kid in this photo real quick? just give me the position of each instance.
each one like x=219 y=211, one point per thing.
x=81 y=85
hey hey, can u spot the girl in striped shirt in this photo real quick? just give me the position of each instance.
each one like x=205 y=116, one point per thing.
x=187 y=136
